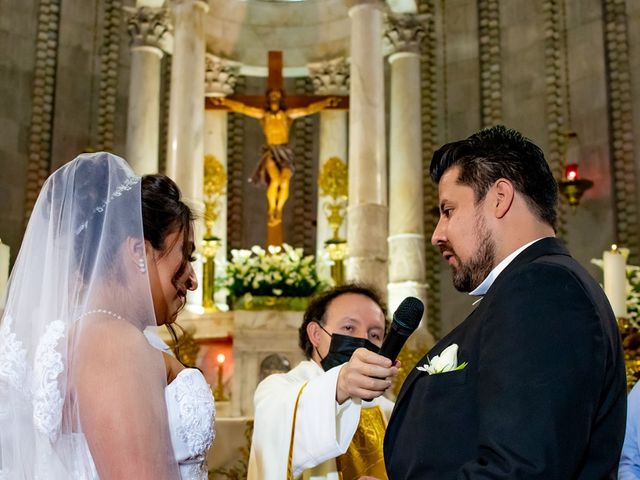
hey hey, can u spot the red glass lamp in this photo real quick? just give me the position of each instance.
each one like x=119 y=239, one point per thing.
x=571 y=185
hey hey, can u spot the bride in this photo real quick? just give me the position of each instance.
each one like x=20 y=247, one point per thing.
x=83 y=394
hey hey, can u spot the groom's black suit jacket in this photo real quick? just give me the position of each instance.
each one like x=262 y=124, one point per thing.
x=543 y=395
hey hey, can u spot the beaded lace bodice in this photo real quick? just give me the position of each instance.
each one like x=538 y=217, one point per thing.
x=191 y=422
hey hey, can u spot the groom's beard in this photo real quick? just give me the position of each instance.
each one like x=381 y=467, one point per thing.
x=468 y=275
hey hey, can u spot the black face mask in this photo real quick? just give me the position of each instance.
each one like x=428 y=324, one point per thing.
x=341 y=349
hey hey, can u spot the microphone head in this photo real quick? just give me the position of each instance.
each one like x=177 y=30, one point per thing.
x=409 y=313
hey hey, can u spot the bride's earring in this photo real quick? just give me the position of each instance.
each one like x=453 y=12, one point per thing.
x=141 y=265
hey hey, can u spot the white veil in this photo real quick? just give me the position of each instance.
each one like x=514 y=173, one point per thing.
x=80 y=388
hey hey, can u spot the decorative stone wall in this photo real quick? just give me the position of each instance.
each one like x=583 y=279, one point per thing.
x=43 y=97
x=165 y=98
x=302 y=210
x=235 y=173
x=621 y=128
x=556 y=99
x=430 y=142
x=490 y=62
x=109 y=61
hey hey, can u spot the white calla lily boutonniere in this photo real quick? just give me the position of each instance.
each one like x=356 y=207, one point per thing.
x=447 y=361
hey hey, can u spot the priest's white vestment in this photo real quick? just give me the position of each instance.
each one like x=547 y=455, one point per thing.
x=323 y=429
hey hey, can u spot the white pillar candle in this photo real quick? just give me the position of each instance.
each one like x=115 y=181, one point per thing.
x=4 y=272
x=615 y=281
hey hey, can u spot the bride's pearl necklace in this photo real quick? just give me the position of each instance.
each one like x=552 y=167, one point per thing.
x=103 y=312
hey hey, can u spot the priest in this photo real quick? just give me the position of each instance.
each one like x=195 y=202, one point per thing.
x=309 y=422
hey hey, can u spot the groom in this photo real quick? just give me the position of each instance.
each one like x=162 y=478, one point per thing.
x=542 y=394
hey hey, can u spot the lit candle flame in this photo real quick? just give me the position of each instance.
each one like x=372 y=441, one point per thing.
x=571 y=172
x=220 y=358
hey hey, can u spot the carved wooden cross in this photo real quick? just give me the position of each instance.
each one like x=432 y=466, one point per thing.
x=275 y=82
x=254 y=106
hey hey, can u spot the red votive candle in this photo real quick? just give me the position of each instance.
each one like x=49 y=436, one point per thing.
x=571 y=172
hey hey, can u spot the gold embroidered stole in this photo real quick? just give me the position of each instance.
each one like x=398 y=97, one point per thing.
x=293 y=431
x=365 y=454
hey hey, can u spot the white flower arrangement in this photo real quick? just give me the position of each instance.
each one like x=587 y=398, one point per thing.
x=633 y=292
x=278 y=271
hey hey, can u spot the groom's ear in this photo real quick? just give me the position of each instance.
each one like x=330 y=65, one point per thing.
x=503 y=195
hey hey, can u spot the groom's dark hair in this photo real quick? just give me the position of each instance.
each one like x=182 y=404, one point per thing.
x=500 y=152
x=317 y=309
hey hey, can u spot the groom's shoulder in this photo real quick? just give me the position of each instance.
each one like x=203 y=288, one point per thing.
x=550 y=280
x=547 y=270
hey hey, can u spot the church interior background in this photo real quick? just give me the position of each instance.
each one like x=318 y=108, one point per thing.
x=140 y=79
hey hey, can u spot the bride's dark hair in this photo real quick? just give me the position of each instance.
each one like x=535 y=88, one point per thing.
x=164 y=212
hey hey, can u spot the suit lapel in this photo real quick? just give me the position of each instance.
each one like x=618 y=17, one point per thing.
x=545 y=246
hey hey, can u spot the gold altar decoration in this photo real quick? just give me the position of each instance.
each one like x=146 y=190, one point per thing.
x=408 y=359
x=631 y=345
x=333 y=179
x=333 y=182
x=215 y=177
x=215 y=183
x=185 y=347
x=209 y=248
x=337 y=250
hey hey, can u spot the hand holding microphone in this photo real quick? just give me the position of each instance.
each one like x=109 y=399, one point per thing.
x=366 y=375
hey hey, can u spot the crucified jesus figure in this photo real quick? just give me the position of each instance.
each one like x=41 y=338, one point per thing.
x=275 y=168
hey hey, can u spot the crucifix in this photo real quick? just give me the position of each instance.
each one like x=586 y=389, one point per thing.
x=276 y=115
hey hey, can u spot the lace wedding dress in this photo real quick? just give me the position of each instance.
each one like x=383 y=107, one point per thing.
x=191 y=416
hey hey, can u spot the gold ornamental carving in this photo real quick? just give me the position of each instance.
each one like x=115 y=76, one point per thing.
x=214 y=189
x=215 y=185
x=333 y=182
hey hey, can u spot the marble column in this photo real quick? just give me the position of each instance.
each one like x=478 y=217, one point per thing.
x=185 y=152
x=367 y=212
x=407 y=269
x=146 y=27
x=330 y=78
x=186 y=104
x=220 y=79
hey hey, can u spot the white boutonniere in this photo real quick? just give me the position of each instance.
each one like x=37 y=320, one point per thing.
x=447 y=361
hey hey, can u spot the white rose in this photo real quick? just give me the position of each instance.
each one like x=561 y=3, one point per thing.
x=447 y=361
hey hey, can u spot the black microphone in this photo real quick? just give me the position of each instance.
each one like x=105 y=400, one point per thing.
x=405 y=320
